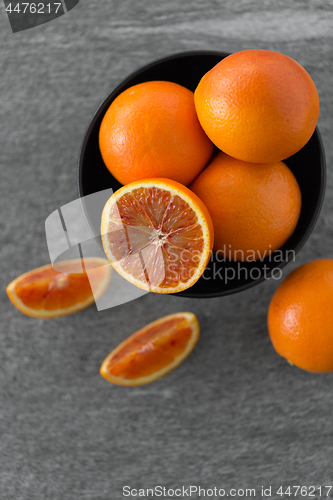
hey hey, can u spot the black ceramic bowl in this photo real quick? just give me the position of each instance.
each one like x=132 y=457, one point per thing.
x=220 y=277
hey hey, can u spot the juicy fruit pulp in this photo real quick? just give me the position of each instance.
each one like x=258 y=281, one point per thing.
x=153 y=351
x=167 y=236
x=157 y=234
x=47 y=293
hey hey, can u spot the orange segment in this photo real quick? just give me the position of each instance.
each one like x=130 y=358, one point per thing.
x=47 y=293
x=153 y=351
x=157 y=234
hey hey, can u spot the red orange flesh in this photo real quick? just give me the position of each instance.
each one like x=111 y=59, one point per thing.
x=153 y=351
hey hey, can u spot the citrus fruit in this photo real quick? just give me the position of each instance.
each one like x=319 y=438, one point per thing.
x=254 y=207
x=153 y=351
x=152 y=130
x=259 y=106
x=157 y=234
x=46 y=293
x=300 y=317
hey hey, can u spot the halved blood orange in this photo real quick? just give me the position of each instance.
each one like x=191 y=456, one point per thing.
x=153 y=351
x=157 y=234
x=47 y=293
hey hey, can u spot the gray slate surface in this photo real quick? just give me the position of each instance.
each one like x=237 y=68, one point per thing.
x=235 y=414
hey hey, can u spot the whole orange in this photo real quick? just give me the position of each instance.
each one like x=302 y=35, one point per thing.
x=258 y=105
x=300 y=317
x=152 y=130
x=254 y=207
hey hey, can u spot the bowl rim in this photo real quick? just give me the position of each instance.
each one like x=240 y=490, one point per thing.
x=316 y=133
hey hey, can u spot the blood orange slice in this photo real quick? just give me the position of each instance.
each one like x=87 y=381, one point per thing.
x=47 y=293
x=153 y=351
x=157 y=234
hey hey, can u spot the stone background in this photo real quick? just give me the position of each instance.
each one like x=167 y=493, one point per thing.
x=235 y=414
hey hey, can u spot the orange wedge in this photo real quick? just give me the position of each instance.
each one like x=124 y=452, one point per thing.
x=47 y=293
x=153 y=351
x=157 y=234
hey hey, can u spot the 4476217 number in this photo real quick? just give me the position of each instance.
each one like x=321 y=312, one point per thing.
x=304 y=491
x=34 y=8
